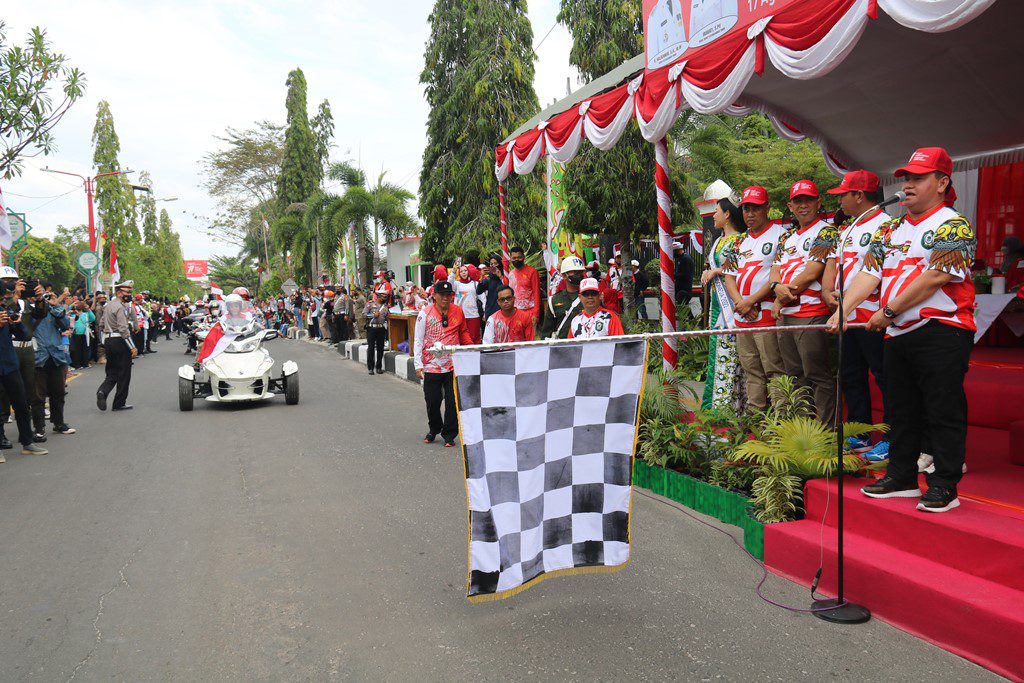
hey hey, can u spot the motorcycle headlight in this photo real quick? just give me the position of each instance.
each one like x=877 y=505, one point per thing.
x=243 y=347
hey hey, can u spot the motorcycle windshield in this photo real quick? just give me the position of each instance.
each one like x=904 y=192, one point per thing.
x=238 y=317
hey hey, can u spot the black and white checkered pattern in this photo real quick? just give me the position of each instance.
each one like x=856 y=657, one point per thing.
x=548 y=436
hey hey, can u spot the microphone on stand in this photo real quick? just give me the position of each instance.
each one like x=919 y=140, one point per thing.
x=896 y=198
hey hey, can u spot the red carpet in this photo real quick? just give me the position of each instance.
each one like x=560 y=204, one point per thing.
x=955 y=579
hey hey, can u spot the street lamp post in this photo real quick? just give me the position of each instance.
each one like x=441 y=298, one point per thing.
x=89 y=183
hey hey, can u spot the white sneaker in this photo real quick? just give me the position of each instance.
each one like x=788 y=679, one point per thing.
x=926 y=464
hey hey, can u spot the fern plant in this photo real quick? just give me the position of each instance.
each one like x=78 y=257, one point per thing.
x=797 y=447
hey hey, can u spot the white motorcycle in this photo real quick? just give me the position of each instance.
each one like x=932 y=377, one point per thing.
x=239 y=370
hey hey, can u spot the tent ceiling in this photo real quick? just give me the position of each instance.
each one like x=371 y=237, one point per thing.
x=898 y=89
x=901 y=89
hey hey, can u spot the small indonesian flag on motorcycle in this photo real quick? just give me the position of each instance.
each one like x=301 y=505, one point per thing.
x=215 y=290
x=215 y=343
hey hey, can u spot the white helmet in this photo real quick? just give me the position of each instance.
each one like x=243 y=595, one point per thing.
x=7 y=271
x=571 y=263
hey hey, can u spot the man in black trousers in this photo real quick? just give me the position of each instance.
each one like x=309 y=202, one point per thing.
x=117 y=329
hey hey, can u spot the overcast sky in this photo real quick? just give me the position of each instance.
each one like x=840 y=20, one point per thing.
x=176 y=74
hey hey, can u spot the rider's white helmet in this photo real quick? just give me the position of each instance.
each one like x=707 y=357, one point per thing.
x=7 y=271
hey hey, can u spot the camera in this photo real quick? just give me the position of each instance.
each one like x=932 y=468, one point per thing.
x=30 y=286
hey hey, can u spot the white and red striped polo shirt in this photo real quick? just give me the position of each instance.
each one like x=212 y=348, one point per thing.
x=904 y=248
x=750 y=261
x=797 y=248
x=855 y=241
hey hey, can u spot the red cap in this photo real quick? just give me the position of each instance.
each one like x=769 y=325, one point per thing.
x=857 y=181
x=926 y=160
x=803 y=188
x=755 y=194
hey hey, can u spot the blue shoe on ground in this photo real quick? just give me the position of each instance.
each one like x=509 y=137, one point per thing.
x=879 y=453
x=857 y=445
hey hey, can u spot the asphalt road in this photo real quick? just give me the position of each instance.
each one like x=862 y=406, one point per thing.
x=324 y=541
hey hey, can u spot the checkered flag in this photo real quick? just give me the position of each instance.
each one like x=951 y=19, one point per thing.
x=548 y=435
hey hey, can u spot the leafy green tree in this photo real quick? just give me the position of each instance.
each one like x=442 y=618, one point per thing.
x=233 y=271
x=301 y=170
x=46 y=260
x=146 y=206
x=114 y=199
x=241 y=177
x=613 y=192
x=478 y=78
x=30 y=76
x=322 y=126
x=74 y=239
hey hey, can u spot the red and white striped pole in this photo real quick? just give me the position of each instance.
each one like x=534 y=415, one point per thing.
x=504 y=227
x=668 y=260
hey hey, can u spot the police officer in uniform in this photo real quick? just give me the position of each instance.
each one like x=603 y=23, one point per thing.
x=118 y=325
x=564 y=305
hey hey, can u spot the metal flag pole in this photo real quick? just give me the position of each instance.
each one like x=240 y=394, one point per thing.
x=647 y=336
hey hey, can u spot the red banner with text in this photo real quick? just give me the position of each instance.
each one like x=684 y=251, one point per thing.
x=195 y=269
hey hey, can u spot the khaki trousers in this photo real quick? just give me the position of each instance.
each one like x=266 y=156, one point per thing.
x=761 y=360
x=806 y=357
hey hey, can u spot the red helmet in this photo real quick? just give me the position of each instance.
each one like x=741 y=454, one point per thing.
x=242 y=292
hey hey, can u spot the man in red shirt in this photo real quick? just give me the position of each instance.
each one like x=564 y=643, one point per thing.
x=796 y=284
x=508 y=324
x=442 y=322
x=922 y=263
x=525 y=282
x=748 y=264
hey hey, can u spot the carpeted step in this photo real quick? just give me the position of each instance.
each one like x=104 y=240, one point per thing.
x=985 y=541
x=956 y=610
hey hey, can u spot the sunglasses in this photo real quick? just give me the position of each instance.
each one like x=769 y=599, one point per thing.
x=590 y=293
x=506 y=298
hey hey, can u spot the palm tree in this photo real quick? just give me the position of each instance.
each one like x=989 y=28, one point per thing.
x=384 y=206
x=233 y=271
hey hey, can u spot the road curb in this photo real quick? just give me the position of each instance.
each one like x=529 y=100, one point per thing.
x=396 y=363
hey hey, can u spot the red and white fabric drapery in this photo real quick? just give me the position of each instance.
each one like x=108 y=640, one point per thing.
x=804 y=40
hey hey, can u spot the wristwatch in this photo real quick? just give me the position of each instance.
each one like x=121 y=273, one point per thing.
x=888 y=313
x=773 y=285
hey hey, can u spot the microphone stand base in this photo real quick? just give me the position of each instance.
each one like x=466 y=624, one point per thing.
x=839 y=613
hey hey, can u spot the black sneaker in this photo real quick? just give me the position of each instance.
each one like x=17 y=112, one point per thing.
x=39 y=437
x=429 y=438
x=887 y=487
x=939 y=499
x=101 y=399
x=64 y=429
x=5 y=443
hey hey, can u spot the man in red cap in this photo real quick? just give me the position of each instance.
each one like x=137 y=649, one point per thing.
x=927 y=311
x=747 y=271
x=594 y=320
x=859 y=196
x=796 y=284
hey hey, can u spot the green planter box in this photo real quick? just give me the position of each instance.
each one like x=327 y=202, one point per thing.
x=726 y=506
